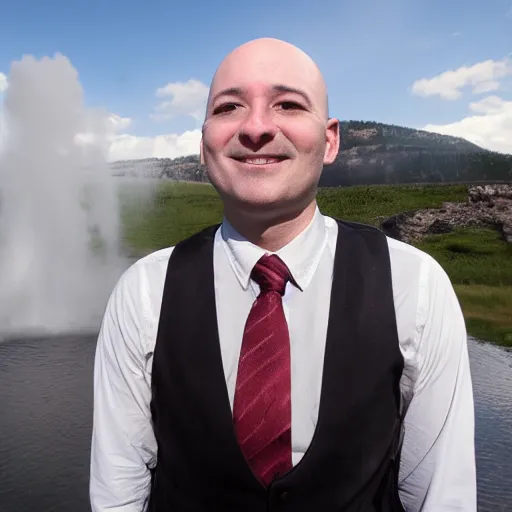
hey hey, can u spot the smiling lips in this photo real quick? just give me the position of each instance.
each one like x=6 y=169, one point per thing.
x=260 y=159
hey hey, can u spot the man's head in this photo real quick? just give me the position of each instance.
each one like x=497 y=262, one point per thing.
x=267 y=134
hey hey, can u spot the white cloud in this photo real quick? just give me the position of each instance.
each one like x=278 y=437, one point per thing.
x=3 y=82
x=509 y=12
x=489 y=125
x=182 y=98
x=484 y=87
x=125 y=146
x=128 y=147
x=119 y=123
x=489 y=105
x=481 y=77
x=101 y=129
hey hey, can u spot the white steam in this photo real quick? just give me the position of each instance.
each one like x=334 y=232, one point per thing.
x=59 y=214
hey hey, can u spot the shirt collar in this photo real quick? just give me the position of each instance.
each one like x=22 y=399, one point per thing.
x=301 y=255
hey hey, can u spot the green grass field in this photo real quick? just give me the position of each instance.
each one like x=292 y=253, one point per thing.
x=478 y=262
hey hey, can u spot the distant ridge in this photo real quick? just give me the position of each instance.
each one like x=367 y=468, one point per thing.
x=367 y=133
x=370 y=153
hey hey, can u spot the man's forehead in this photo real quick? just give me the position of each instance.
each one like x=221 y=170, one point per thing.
x=258 y=71
x=261 y=72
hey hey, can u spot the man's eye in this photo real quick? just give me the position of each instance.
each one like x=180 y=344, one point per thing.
x=226 y=107
x=288 y=105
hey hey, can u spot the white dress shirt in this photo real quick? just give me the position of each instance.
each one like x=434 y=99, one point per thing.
x=437 y=471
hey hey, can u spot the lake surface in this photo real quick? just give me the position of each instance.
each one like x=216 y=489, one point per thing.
x=46 y=418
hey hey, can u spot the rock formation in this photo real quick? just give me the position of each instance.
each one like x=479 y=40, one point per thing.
x=487 y=206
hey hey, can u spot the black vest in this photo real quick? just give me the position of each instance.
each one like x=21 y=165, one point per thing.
x=352 y=462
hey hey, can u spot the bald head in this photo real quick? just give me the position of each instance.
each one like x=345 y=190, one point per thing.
x=270 y=62
x=267 y=136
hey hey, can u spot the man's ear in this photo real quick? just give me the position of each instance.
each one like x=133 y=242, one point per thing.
x=201 y=156
x=332 y=139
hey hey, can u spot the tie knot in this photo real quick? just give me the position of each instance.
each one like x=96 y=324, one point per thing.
x=271 y=273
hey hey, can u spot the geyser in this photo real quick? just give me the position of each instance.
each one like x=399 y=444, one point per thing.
x=59 y=215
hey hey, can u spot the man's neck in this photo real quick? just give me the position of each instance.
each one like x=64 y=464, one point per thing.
x=271 y=233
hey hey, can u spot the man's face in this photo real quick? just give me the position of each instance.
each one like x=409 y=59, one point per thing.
x=266 y=135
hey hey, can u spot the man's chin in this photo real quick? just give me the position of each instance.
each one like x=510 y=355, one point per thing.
x=260 y=203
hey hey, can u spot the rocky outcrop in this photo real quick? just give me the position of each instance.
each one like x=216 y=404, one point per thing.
x=487 y=206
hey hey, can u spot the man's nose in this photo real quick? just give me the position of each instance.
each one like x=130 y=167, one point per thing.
x=259 y=126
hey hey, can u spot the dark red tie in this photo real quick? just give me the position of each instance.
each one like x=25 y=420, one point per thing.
x=262 y=404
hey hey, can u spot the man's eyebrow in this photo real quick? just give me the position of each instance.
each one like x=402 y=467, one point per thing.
x=286 y=88
x=231 y=91
x=277 y=88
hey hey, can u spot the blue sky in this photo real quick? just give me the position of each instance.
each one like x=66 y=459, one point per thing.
x=370 y=51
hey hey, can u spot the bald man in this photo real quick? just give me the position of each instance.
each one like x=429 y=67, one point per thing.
x=282 y=360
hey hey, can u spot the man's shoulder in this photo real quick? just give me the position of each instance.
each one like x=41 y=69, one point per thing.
x=416 y=274
x=401 y=253
x=406 y=253
x=156 y=257
x=143 y=272
x=418 y=278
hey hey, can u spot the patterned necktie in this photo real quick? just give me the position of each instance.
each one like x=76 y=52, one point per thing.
x=262 y=404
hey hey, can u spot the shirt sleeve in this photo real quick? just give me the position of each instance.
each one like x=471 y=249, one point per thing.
x=438 y=471
x=123 y=446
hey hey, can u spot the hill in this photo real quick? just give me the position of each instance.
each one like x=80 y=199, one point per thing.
x=377 y=153
x=185 y=168
x=370 y=153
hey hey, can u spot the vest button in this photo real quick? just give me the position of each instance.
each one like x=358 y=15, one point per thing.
x=283 y=496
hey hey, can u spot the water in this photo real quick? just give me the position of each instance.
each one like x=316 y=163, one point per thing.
x=45 y=424
x=59 y=212
x=492 y=381
x=46 y=397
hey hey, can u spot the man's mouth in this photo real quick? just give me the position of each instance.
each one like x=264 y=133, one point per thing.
x=260 y=160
